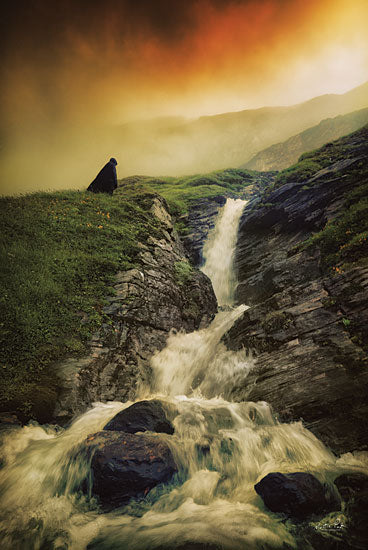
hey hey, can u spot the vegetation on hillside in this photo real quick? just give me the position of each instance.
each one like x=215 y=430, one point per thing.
x=59 y=253
x=282 y=155
x=347 y=147
x=181 y=192
x=343 y=241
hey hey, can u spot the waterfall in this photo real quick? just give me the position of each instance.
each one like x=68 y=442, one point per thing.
x=219 y=250
x=222 y=449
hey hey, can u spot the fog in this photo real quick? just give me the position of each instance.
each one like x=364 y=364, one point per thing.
x=68 y=157
x=81 y=83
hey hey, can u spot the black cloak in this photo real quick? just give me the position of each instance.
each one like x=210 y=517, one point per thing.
x=106 y=180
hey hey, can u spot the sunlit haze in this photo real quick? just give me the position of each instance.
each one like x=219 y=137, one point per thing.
x=75 y=72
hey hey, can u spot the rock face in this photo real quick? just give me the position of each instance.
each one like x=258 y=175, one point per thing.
x=141 y=417
x=298 y=494
x=149 y=301
x=200 y=220
x=203 y=213
x=127 y=465
x=309 y=364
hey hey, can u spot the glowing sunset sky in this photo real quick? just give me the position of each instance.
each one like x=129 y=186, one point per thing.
x=82 y=64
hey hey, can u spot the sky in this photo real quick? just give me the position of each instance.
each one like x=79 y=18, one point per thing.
x=70 y=68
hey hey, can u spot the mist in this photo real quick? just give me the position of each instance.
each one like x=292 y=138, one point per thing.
x=68 y=157
x=80 y=83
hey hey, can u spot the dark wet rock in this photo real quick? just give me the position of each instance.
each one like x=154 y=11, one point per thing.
x=357 y=512
x=101 y=544
x=351 y=485
x=200 y=220
x=149 y=302
x=297 y=494
x=308 y=364
x=8 y=421
x=141 y=417
x=202 y=213
x=128 y=465
x=353 y=488
x=347 y=530
x=328 y=533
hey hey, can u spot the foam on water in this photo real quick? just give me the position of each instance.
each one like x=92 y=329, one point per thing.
x=222 y=449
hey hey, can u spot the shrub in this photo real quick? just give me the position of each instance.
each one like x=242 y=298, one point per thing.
x=183 y=272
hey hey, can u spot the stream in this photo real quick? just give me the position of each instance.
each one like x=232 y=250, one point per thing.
x=222 y=449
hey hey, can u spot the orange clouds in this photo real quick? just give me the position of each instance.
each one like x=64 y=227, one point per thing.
x=109 y=59
x=71 y=67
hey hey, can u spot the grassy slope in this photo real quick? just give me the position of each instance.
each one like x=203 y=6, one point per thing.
x=344 y=241
x=59 y=253
x=181 y=192
x=350 y=146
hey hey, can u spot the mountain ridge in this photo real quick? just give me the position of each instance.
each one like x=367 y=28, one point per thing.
x=220 y=141
x=281 y=155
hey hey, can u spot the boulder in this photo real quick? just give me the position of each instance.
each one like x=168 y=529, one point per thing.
x=141 y=417
x=297 y=494
x=127 y=465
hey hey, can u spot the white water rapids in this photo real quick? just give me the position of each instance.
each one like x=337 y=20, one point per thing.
x=222 y=449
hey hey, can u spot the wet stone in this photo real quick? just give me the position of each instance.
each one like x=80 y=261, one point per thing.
x=141 y=417
x=350 y=485
x=354 y=490
x=126 y=465
x=297 y=494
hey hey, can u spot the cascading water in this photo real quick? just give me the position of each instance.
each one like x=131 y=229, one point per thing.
x=222 y=449
x=219 y=250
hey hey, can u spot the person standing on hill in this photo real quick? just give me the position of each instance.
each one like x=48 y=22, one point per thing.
x=106 y=180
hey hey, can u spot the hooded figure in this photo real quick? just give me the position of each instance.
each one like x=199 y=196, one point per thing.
x=106 y=180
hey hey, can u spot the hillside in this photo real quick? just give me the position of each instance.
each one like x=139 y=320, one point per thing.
x=172 y=147
x=282 y=155
x=62 y=251
x=302 y=260
x=60 y=256
x=182 y=192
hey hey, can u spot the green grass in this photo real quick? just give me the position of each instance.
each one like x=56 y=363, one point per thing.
x=59 y=254
x=183 y=272
x=310 y=163
x=344 y=241
x=181 y=192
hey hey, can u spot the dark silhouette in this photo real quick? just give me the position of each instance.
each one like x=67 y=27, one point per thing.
x=106 y=180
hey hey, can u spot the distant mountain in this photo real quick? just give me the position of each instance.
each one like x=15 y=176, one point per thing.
x=175 y=146
x=282 y=155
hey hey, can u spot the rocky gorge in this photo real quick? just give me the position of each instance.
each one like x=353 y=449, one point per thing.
x=181 y=422
x=307 y=325
x=165 y=293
